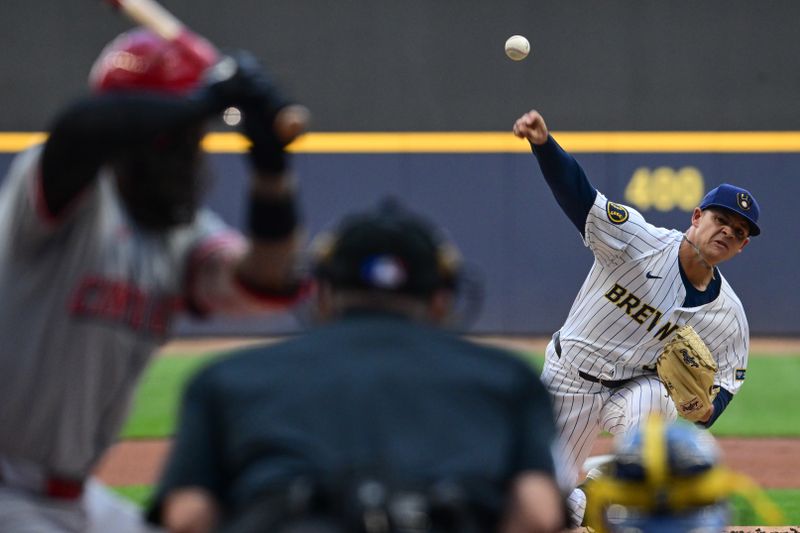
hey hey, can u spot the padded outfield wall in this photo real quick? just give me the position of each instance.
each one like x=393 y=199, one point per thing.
x=487 y=191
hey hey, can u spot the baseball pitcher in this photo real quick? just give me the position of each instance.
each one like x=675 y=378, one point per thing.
x=655 y=326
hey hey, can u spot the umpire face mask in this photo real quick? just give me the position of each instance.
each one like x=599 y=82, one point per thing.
x=162 y=183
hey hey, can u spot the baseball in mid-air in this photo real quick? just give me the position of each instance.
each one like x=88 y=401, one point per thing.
x=517 y=47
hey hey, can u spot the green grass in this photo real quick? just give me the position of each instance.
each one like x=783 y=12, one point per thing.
x=158 y=395
x=765 y=406
x=138 y=494
x=788 y=500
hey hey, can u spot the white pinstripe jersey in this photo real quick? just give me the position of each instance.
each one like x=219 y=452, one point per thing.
x=632 y=301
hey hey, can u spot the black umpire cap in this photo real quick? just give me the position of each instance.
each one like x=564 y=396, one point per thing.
x=389 y=249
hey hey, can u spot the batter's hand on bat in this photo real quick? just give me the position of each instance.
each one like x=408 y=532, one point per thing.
x=239 y=80
x=531 y=126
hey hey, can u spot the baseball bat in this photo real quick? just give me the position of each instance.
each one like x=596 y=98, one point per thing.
x=290 y=122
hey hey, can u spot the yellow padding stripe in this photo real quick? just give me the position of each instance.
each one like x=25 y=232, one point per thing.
x=502 y=142
x=495 y=142
x=16 y=142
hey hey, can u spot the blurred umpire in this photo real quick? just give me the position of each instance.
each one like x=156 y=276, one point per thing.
x=377 y=420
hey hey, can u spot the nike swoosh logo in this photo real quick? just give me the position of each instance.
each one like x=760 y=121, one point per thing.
x=650 y=276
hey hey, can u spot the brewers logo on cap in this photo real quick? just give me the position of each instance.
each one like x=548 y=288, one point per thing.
x=736 y=200
x=743 y=199
x=616 y=213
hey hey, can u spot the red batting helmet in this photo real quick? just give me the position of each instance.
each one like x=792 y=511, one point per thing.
x=141 y=60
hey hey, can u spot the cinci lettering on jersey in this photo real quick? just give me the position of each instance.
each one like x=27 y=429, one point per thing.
x=121 y=302
x=638 y=311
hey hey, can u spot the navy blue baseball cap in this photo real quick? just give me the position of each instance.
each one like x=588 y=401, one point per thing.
x=737 y=200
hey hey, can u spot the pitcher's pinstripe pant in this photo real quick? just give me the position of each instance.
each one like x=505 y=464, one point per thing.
x=583 y=409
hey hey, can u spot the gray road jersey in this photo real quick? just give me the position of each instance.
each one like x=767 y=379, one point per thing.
x=86 y=300
x=632 y=301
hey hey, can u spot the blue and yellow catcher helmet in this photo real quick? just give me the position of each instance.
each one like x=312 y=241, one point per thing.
x=667 y=477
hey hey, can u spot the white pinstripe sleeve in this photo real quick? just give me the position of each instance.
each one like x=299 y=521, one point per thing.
x=732 y=358
x=723 y=327
x=617 y=233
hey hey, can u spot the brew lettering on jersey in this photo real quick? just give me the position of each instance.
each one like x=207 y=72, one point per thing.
x=639 y=312
x=121 y=302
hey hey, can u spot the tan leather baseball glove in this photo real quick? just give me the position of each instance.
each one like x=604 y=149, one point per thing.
x=687 y=369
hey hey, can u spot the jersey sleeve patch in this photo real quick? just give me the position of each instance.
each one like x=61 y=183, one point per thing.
x=617 y=214
x=739 y=374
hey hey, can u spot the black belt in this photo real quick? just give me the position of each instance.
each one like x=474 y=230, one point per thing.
x=610 y=383
x=557 y=343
